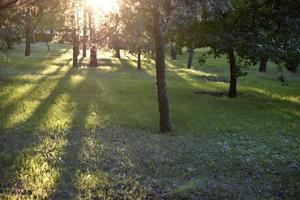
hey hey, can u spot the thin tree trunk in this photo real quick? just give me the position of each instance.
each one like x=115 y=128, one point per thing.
x=139 y=63
x=162 y=94
x=91 y=27
x=75 y=47
x=93 y=57
x=233 y=75
x=190 y=59
x=173 y=51
x=263 y=64
x=48 y=46
x=84 y=34
x=118 y=52
x=28 y=32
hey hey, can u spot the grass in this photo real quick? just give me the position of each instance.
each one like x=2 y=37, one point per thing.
x=93 y=133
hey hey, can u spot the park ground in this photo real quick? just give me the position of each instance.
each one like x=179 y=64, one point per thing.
x=93 y=133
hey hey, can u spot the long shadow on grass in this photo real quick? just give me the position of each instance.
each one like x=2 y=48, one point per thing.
x=93 y=154
x=16 y=144
x=9 y=109
x=70 y=166
x=11 y=80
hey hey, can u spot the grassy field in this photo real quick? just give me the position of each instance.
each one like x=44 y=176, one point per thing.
x=93 y=133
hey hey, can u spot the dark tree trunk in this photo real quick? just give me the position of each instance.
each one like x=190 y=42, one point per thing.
x=233 y=75
x=163 y=102
x=263 y=64
x=28 y=32
x=173 y=51
x=139 y=61
x=75 y=47
x=93 y=57
x=7 y=4
x=116 y=46
x=118 y=52
x=190 y=59
x=84 y=35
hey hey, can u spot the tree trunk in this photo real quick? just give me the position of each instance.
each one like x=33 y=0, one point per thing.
x=28 y=32
x=118 y=52
x=163 y=102
x=190 y=59
x=93 y=57
x=173 y=51
x=263 y=64
x=75 y=47
x=139 y=63
x=233 y=74
x=91 y=27
x=48 y=46
x=84 y=34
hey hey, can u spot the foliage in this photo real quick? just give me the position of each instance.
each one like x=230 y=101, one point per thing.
x=10 y=29
x=137 y=33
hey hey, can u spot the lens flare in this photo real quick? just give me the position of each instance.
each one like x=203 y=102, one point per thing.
x=105 y=6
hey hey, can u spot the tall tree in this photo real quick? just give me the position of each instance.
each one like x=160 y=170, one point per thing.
x=229 y=28
x=84 y=45
x=136 y=33
x=75 y=42
x=162 y=93
x=28 y=31
x=160 y=11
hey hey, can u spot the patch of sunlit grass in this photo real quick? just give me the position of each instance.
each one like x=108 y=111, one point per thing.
x=36 y=173
x=283 y=97
x=108 y=68
x=76 y=79
x=60 y=115
x=94 y=118
x=21 y=114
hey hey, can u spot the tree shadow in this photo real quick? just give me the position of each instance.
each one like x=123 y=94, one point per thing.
x=92 y=153
x=16 y=144
x=109 y=62
x=31 y=94
x=65 y=185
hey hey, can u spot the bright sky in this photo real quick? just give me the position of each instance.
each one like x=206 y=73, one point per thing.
x=105 y=6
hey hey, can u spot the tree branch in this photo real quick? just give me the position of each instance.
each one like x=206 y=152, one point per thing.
x=7 y=4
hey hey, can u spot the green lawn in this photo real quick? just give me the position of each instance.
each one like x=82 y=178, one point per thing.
x=93 y=133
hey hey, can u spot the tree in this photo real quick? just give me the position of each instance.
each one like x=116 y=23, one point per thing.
x=136 y=32
x=28 y=31
x=162 y=94
x=10 y=28
x=115 y=36
x=84 y=42
x=181 y=28
x=75 y=42
x=7 y=4
x=229 y=28
x=173 y=47
x=93 y=41
x=48 y=20
x=191 y=55
x=160 y=11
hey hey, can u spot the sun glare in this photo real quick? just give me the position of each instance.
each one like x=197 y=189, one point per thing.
x=104 y=5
